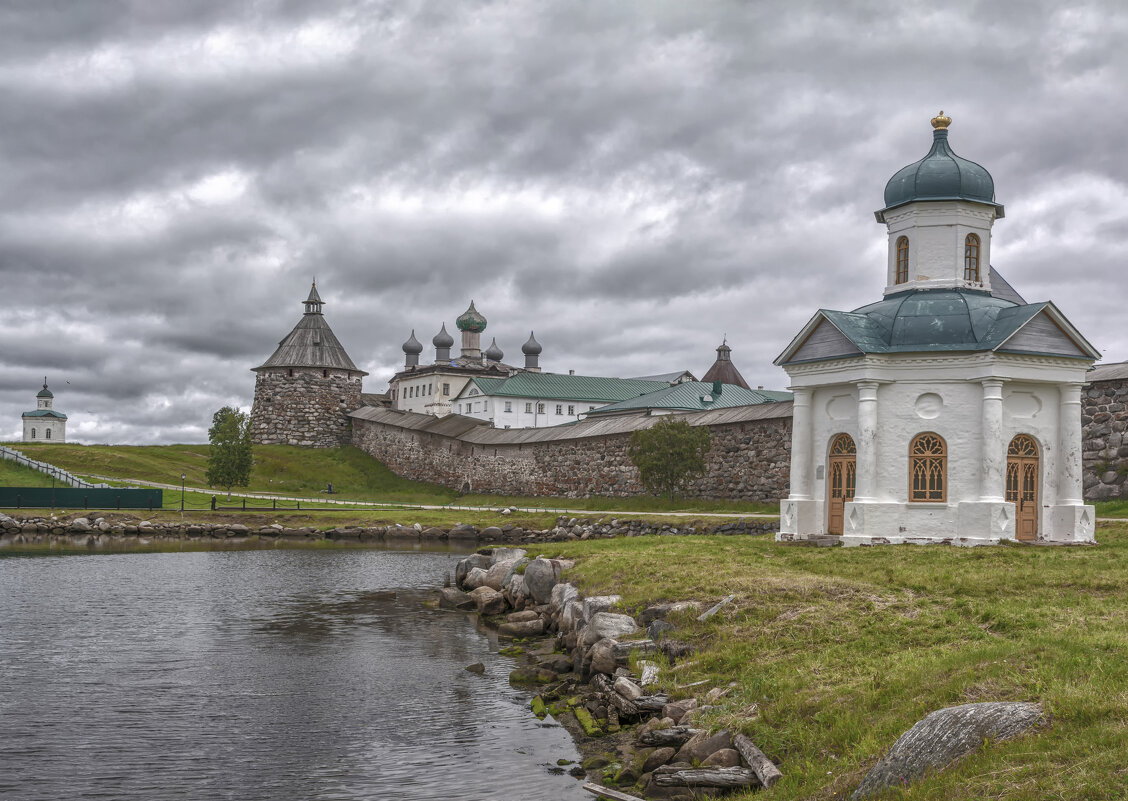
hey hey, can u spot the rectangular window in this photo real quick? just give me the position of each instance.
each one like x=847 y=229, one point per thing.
x=446 y=389
x=485 y=406
x=560 y=408
x=540 y=408
x=571 y=410
x=528 y=408
x=476 y=407
x=508 y=406
x=47 y=434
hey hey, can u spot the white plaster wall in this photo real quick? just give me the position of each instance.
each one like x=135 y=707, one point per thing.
x=58 y=429
x=936 y=233
x=518 y=417
x=1029 y=407
x=435 y=401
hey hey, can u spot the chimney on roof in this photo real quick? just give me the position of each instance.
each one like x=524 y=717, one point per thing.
x=571 y=372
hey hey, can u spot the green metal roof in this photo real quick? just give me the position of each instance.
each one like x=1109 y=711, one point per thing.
x=941 y=175
x=931 y=320
x=46 y=413
x=554 y=386
x=691 y=397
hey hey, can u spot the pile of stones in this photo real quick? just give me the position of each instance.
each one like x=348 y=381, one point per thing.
x=589 y=684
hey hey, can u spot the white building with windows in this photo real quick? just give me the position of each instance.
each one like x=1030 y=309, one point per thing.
x=44 y=424
x=536 y=400
x=948 y=411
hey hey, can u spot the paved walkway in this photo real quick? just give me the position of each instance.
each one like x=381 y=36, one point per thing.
x=451 y=507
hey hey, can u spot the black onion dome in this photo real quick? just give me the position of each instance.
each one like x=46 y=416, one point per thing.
x=532 y=347
x=493 y=352
x=443 y=339
x=413 y=347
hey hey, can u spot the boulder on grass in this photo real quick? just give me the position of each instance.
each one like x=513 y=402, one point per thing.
x=946 y=735
x=602 y=625
x=540 y=577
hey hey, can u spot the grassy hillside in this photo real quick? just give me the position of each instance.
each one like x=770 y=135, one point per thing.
x=14 y=475
x=278 y=469
x=836 y=652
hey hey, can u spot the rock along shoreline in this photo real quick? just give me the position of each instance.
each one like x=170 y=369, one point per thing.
x=599 y=671
x=125 y=532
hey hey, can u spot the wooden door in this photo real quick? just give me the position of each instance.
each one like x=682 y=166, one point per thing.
x=842 y=473
x=1022 y=485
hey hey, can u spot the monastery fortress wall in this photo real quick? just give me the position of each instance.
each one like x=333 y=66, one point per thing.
x=749 y=460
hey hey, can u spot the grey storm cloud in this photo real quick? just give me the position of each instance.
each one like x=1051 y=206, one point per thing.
x=632 y=180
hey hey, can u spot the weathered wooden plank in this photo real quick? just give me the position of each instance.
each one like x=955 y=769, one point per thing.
x=675 y=735
x=825 y=342
x=652 y=703
x=764 y=768
x=607 y=792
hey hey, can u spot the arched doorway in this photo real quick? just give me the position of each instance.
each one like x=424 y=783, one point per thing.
x=842 y=474
x=1022 y=485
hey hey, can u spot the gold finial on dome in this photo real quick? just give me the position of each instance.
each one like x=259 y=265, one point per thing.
x=941 y=122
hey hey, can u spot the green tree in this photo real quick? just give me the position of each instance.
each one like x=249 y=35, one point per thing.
x=669 y=454
x=231 y=456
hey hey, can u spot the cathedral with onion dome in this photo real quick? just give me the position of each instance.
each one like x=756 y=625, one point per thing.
x=949 y=410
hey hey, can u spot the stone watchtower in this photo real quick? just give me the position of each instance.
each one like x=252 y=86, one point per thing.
x=304 y=392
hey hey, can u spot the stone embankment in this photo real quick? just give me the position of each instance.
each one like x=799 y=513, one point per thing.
x=601 y=682
x=123 y=533
x=1104 y=426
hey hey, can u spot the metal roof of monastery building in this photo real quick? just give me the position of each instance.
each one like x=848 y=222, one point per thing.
x=555 y=386
x=939 y=320
x=1116 y=371
x=694 y=396
x=480 y=432
x=45 y=413
x=312 y=343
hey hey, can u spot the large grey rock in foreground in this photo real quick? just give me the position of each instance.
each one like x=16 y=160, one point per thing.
x=945 y=736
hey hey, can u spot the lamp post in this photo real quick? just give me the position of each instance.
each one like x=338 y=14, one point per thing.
x=182 y=493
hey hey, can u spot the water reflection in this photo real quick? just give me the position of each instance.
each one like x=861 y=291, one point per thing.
x=257 y=675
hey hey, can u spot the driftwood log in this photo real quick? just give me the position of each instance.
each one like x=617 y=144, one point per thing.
x=764 y=768
x=673 y=736
x=622 y=651
x=652 y=703
x=671 y=776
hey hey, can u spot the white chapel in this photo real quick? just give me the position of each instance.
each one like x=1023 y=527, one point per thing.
x=948 y=411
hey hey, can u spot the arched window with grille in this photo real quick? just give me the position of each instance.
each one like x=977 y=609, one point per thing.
x=971 y=258
x=902 y=260
x=33 y=433
x=928 y=469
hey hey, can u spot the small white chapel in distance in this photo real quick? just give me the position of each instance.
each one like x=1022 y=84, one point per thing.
x=43 y=423
x=948 y=411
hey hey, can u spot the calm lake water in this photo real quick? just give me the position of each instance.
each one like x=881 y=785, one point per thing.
x=271 y=675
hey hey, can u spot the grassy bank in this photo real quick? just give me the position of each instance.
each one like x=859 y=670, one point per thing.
x=836 y=652
x=305 y=472
x=16 y=475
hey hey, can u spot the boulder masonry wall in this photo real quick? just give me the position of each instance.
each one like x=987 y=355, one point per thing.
x=307 y=408
x=1104 y=420
x=749 y=460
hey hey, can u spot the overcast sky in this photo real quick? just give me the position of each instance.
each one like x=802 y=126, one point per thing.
x=634 y=181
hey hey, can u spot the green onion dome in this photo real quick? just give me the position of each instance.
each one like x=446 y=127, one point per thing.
x=941 y=175
x=471 y=321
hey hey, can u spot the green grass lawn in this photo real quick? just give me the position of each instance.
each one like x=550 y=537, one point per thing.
x=836 y=652
x=16 y=475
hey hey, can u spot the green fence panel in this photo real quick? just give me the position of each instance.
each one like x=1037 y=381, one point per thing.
x=69 y=498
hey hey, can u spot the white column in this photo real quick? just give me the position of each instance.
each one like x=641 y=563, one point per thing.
x=866 y=487
x=1069 y=446
x=993 y=457
x=801 y=436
